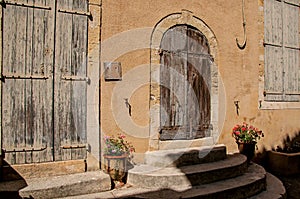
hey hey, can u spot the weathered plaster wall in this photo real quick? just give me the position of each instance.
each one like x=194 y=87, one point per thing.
x=126 y=31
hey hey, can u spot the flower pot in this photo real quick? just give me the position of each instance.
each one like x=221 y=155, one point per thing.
x=115 y=166
x=247 y=149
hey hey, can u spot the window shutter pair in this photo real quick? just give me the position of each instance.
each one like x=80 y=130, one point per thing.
x=282 y=71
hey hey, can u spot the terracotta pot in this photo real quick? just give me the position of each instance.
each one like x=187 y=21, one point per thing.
x=247 y=149
x=286 y=164
x=115 y=166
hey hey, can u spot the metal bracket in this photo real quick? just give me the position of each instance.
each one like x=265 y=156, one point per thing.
x=237 y=107
x=78 y=146
x=76 y=78
x=4 y=3
x=29 y=149
x=17 y=76
x=88 y=14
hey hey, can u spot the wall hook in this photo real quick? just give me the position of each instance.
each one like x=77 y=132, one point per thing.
x=236 y=103
x=128 y=106
x=243 y=45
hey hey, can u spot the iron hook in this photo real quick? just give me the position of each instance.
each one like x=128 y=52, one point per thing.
x=243 y=45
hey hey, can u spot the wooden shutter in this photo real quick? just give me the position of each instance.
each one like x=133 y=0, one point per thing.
x=27 y=81
x=273 y=50
x=173 y=81
x=198 y=90
x=291 y=50
x=185 y=84
x=282 y=50
x=71 y=81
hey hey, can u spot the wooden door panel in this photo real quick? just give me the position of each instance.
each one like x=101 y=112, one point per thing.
x=70 y=83
x=27 y=83
x=44 y=96
x=185 y=79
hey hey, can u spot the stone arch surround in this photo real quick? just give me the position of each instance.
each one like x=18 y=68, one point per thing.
x=183 y=17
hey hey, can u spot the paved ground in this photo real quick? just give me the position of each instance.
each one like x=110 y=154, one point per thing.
x=292 y=185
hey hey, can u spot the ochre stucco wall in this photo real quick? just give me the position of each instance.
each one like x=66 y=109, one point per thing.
x=125 y=37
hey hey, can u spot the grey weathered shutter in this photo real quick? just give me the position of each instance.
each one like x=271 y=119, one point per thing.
x=185 y=84
x=70 y=83
x=27 y=81
x=281 y=50
x=291 y=50
x=173 y=81
x=44 y=96
x=273 y=50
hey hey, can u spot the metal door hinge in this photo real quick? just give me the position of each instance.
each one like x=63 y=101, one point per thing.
x=22 y=76
x=76 y=78
x=88 y=14
x=4 y=3
x=27 y=149
x=76 y=146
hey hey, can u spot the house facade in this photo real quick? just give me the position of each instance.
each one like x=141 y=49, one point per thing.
x=167 y=74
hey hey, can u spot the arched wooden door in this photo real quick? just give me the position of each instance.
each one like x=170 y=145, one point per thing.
x=185 y=80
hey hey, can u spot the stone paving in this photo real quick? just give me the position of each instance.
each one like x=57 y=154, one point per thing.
x=292 y=185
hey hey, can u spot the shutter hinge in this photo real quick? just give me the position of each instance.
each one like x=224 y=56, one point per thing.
x=88 y=14
x=4 y=3
x=29 y=149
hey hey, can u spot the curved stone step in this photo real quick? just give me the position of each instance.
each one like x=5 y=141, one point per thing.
x=185 y=156
x=275 y=189
x=247 y=185
x=151 y=177
x=244 y=186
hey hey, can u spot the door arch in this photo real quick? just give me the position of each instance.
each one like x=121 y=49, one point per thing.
x=184 y=84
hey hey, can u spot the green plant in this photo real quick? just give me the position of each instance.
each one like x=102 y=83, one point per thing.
x=245 y=133
x=116 y=146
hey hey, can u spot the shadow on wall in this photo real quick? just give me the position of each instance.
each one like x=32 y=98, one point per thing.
x=290 y=146
x=10 y=181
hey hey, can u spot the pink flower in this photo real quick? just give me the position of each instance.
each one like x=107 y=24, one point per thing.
x=122 y=136
x=237 y=133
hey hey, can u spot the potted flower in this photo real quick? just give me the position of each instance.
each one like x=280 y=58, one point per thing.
x=116 y=153
x=246 y=136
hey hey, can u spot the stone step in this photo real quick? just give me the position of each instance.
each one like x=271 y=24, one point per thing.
x=58 y=186
x=247 y=185
x=185 y=176
x=185 y=156
x=275 y=189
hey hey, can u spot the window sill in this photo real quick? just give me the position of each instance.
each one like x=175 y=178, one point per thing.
x=265 y=105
